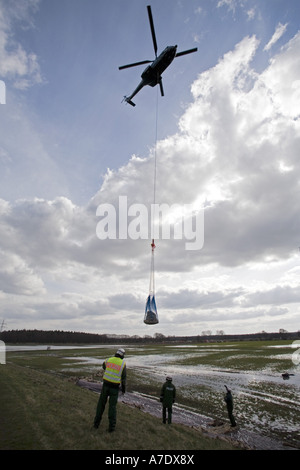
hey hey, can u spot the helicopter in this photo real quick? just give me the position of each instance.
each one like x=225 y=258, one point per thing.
x=152 y=74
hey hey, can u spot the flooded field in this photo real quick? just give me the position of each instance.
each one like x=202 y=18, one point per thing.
x=264 y=402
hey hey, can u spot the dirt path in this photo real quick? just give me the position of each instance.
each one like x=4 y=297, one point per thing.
x=210 y=427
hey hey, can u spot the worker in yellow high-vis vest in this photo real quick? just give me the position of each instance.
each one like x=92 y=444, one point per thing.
x=114 y=376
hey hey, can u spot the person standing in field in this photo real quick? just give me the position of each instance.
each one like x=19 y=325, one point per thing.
x=229 y=404
x=167 y=398
x=114 y=376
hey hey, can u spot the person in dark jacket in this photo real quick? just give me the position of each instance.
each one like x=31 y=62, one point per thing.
x=167 y=398
x=229 y=403
x=114 y=376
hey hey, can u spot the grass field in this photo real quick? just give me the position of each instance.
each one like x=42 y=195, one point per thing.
x=42 y=407
x=44 y=411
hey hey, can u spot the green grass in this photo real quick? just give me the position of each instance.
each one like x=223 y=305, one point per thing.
x=43 y=411
x=243 y=355
x=253 y=357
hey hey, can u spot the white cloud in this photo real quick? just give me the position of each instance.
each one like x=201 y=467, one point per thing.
x=15 y=63
x=280 y=30
x=251 y=13
x=231 y=4
x=228 y=153
x=16 y=277
x=28 y=169
x=278 y=295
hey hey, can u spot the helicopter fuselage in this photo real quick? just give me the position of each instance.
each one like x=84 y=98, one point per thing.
x=152 y=74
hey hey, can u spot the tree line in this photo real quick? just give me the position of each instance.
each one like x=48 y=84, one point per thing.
x=74 y=337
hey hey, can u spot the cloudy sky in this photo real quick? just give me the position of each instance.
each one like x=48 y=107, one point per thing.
x=228 y=139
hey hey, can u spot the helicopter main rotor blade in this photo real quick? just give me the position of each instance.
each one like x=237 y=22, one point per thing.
x=186 y=52
x=135 y=64
x=152 y=29
x=161 y=87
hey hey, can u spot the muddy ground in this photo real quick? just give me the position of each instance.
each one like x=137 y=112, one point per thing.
x=212 y=427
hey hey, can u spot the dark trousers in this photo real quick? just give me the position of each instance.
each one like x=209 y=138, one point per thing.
x=111 y=392
x=231 y=417
x=164 y=414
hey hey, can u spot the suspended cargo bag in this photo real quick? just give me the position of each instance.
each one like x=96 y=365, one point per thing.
x=151 y=317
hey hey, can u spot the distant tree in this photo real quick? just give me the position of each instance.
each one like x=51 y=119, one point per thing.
x=206 y=333
x=159 y=336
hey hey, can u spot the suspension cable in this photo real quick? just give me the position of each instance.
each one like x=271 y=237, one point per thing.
x=152 y=281
x=151 y=317
x=155 y=168
x=155 y=149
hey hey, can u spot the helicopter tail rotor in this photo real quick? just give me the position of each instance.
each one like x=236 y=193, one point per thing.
x=128 y=100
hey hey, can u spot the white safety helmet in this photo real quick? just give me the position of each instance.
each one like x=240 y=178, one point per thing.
x=121 y=352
